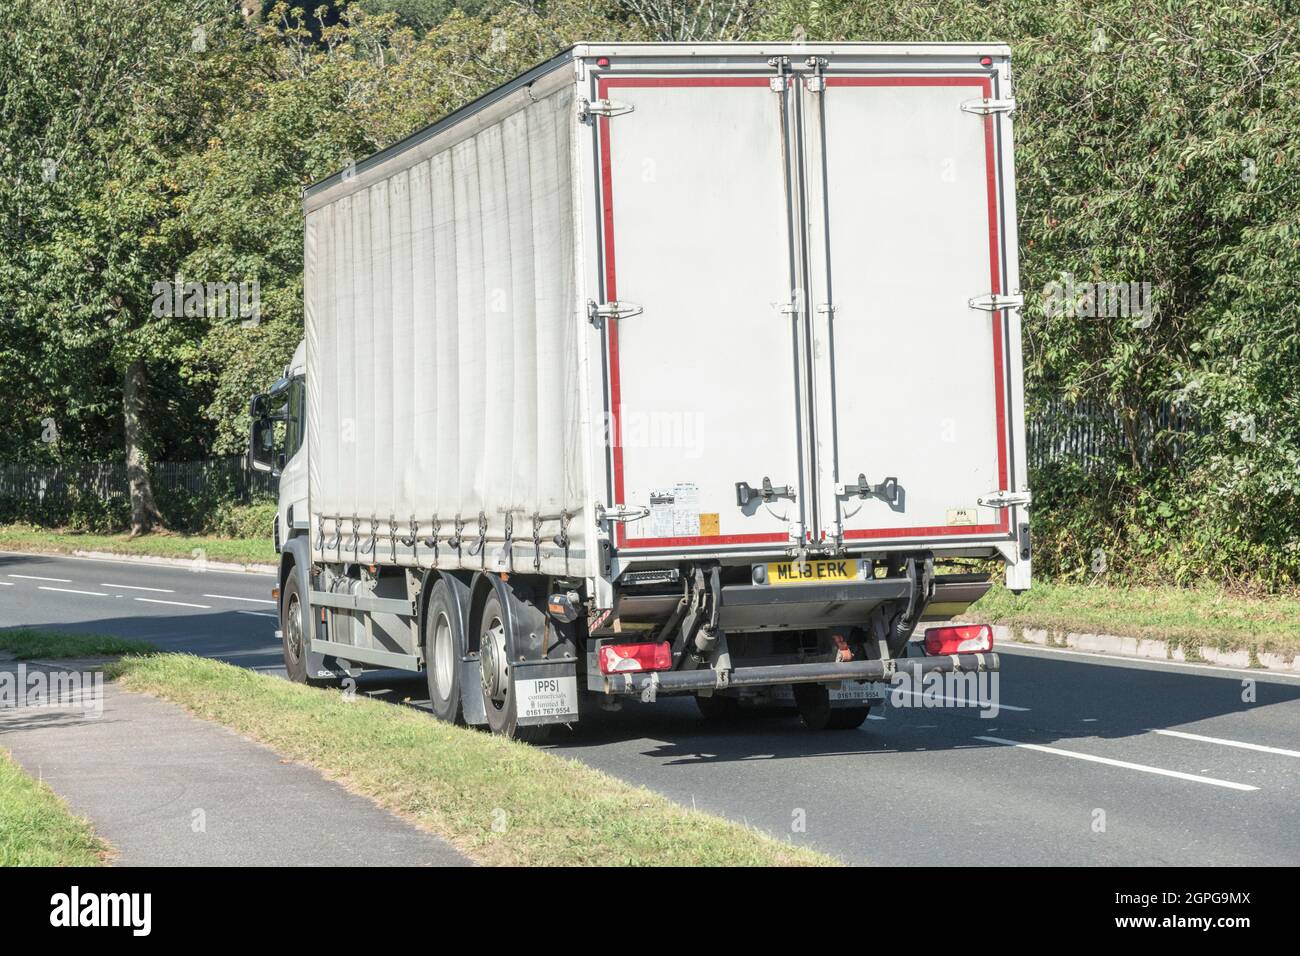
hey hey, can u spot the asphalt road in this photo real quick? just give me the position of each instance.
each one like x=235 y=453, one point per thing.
x=1090 y=760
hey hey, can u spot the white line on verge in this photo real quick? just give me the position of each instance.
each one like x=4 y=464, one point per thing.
x=136 y=587
x=34 y=577
x=231 y=597
x=206 y=607
x=72 y=591
x=1120 y=763
x=1228 y=743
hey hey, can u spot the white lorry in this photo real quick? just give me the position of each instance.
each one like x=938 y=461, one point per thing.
x=661 y=369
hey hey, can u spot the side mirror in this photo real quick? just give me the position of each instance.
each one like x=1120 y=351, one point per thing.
x=261 y=445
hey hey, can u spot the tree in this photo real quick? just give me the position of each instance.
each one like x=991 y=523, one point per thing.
x=103 y=98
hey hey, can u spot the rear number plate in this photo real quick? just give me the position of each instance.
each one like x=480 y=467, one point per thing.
x=812 y=572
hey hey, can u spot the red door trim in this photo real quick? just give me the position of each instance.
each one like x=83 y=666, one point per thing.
x=995 y=286
x=611 y=291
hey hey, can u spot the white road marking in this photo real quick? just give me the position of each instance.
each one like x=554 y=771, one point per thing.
x=72 y=591
x=231 y=597
x=35 y=577
x=6 y=584
x=1229 y=743
x=206 y=607
x=1099 y=656
x=259 y=614
x=1177 y=774
x=986 y=704
x=136 y=587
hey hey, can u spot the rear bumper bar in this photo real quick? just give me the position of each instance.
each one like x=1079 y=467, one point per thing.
x=647 y=685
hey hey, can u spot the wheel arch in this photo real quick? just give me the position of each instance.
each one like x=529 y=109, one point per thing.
x=525 y=620
x=295 y=558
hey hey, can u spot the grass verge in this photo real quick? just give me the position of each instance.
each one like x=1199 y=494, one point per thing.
x=499 y=801
x=28 y=644
x=164 y=544
x=37 y=828
x=1183 y=617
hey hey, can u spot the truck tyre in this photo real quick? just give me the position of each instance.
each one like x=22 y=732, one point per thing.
x=295 y=625
x=498 y=677
x=444 y=646
x=718 y=707
x=816 y=712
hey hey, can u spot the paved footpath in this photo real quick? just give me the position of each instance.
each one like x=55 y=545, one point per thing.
x=169 y=789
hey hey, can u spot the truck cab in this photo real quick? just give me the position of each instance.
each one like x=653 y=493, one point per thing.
x=278 y=444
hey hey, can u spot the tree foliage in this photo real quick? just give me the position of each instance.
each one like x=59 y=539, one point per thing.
x=1157 y=142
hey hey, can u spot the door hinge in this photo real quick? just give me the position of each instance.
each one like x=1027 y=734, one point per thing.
x=816 y=81
x=986 y=106
x=598 y=312
x=1005 y=499
x=779 y=82
x=589 y=108
x=620 y=512
x=995 y=302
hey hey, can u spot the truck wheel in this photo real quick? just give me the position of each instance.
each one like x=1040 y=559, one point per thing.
x=295 y=624
x=498 y=677
x=816 y=712
x=444 y=646
x=718 y=707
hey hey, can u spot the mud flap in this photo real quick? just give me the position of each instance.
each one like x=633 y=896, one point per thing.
x=471 y=692
x=546 y=692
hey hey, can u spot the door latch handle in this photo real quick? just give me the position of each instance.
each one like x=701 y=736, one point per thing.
x=887 y=489
x=745 y=493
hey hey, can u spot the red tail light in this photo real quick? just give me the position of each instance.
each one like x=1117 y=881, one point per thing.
x=968 y=639
x=626 y=658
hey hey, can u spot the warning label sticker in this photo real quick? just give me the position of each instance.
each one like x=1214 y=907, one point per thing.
x=961 y=516
x=547 y=697
x=675 y=511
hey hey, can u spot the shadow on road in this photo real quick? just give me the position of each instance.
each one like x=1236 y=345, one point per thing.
x=1058 y=699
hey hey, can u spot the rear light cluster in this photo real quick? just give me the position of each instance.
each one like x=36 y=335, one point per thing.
x=967 y=639
x=629 y=658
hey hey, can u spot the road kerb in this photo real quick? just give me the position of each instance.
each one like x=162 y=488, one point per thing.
x=176 y=562
x=1119 y=645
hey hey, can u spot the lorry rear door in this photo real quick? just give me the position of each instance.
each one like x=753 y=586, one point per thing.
x=705 y=390
x=907 y=282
